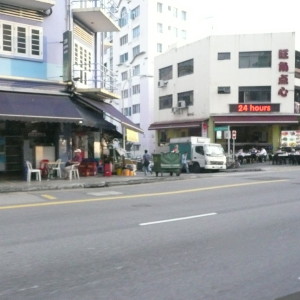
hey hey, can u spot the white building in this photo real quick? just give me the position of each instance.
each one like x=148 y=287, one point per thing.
x=147 y=28
x=247 y=82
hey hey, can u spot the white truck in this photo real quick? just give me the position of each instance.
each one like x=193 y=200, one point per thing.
x=201 y=153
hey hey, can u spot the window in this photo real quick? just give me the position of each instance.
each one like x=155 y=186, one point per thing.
x=127 y=111
x=136 y=32
x=159 y=47
x=159 y=28
x=135 y=12
x=123 y=18
x=258 y=59
x=124 y=94
x=186 y=68
x=124 y=40
x=136 y=50
x=82 y=62
x=223 y=55
x=248 y=94
x=135 y=108
x=175 y=32
x=165 y=102
x=21 y=40
x=123 y=58
x=183 y=34
x=136 y=70
x=159 y=7
x=224 y=90
x=175 y=12
x=187 y=97
x=183 y=15
x=136 y=89
x=166 y=73
x=124 y=75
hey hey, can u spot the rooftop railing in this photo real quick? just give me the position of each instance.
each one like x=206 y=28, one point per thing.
x=95 y=76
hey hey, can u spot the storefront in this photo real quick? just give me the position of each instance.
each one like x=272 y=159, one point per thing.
x=254 y=131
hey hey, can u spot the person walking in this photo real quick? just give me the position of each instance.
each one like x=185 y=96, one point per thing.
x=146 y=162
x=184 y=162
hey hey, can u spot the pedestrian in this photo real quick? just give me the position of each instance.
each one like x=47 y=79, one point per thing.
x=146 y=162
x=184 y=162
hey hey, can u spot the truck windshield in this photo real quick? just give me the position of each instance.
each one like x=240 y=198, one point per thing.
x=214 y=150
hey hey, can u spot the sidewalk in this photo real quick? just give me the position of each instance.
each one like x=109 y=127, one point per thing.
x=8 y=186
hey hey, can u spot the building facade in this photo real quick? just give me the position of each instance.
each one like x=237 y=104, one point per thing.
x=55 y=89
x=147 y=28
x=246 y=83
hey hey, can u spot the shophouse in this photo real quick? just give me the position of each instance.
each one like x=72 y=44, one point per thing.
x=54 y=88
x=246 y=83
x=147 y=28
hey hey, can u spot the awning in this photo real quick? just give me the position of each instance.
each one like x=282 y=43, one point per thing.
x=112 y=112
x=38 y=107
x=93 y=118
x=176 y=124
x=284 y=119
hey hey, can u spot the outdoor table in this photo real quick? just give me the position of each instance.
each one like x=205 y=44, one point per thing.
x=50 y=166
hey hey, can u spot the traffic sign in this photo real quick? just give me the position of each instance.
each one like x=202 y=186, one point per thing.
x=233 y=134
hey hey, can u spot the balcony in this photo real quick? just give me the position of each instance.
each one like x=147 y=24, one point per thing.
x=98 y=15
x=95 y=80
x=31 y=4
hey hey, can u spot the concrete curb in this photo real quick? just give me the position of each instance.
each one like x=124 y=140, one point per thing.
x=23 y=186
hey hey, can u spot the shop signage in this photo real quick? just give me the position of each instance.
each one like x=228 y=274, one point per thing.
x=254 y=108
x=222 y=128
x=283 y=68
x=67 y=55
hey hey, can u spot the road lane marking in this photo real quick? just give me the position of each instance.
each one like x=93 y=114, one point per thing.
x=178 y=219
x=49 y=197
x=105 y=193
x=64 y=202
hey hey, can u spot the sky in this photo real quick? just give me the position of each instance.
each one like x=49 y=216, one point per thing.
x=219 y=17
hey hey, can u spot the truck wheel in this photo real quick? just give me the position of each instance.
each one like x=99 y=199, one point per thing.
x=196 y=168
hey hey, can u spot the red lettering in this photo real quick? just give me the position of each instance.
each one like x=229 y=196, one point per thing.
x=283 y=79
x=283 y=67
x=283 y=92
x=242 y=108
x=283 y=53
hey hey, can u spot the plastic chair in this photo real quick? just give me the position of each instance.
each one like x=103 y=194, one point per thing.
x=30 y=170
x=74 y=172
x=57 y=168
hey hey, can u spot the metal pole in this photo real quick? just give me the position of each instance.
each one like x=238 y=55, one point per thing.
x=228 y=141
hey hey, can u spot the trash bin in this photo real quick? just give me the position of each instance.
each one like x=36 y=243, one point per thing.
x=107 y=169
x=169 y=162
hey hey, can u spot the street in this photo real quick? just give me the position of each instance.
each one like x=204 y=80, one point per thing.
x=222 y=236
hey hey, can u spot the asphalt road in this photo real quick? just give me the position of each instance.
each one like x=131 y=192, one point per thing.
x=221 y=236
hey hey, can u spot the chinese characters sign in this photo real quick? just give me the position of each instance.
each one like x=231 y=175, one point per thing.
x=283 y=68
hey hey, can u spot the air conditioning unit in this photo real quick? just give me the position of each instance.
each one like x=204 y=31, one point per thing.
x=181 y=104
x=162 y=83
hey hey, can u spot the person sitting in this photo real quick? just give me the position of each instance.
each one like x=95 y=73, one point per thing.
x=76 y=160
x=262 y=155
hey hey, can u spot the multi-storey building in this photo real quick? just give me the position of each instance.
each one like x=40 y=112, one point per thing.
x=53 y=83
x=147 y=28
x=246 y=83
